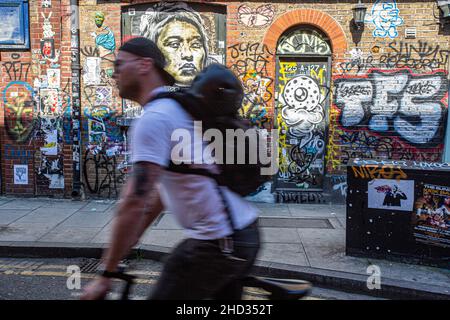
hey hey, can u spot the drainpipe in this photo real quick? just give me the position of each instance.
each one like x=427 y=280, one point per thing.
x=77 y=191
x=446 y=156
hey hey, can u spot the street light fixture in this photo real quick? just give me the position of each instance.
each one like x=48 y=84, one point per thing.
x=359 y=15
x=444 y=5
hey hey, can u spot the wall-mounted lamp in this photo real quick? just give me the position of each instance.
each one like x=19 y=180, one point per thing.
x=359 y=15
x=444 y=5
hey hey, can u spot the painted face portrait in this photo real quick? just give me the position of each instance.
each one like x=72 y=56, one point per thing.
x=99 y=19
x=183 y=47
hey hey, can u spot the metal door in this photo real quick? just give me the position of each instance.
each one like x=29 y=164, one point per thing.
x=302 y=101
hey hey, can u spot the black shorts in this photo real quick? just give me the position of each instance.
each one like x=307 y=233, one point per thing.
x=198 y=269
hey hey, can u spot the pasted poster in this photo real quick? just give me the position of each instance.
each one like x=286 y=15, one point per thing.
x=54 y=78
x=20 y=174
x=51 y=143
x=49 y=102
x=431 y=219
x=391 y=194
x=92 y=71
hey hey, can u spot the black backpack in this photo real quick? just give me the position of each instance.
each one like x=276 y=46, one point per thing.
x=214 y=98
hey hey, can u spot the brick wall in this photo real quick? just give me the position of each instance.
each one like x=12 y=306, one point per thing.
x=385 y=96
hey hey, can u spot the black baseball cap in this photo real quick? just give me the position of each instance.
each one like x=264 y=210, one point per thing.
x=144 y=47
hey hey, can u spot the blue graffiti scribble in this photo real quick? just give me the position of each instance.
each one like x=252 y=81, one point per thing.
x=385 y=15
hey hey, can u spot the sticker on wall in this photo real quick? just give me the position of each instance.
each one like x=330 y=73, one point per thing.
x=46 y=3
x=103 y=96
x=390 y=194
x=48 y=48
x=92 y=71
x=49 y=102
x=20 y=174
x=54 y=78
x=431 y=219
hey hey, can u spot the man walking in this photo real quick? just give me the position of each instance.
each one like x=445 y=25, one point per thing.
x=207 y=264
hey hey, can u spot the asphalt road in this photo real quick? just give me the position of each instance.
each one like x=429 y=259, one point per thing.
x=54 y=279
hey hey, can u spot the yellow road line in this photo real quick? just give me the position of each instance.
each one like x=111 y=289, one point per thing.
x=250 y=293
x=65 y=275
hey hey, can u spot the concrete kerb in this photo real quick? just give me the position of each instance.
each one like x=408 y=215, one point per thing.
x=353 y=283
x=343 y=281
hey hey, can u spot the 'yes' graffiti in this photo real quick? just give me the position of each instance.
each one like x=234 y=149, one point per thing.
x=399 y=102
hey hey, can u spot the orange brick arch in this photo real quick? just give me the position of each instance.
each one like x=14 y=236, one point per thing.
x=311 y=17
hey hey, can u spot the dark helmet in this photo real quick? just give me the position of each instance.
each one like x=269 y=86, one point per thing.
x=218 y=85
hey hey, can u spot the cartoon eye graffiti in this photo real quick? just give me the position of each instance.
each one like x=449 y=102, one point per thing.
x=258 y=17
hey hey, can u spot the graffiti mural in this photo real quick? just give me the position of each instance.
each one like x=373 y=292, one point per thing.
x=301 y=120
x=387 y=114
x=300 y=197
x=395 y=103
x=421 y=56
x=187 y=38
x=258 y=17
x=18 y=154
x=249 y=63
x=18 y=99
x=105 y=173
x=47 y=26
x=300 y=41
x=385 y=16
x=17 y=70
x=105 y=39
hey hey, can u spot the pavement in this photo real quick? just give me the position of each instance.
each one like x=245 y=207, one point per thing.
x=298 y=241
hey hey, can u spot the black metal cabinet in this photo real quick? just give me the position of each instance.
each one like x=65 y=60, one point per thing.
x=399 y=210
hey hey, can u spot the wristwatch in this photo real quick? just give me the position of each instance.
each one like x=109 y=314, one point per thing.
x=118 y=274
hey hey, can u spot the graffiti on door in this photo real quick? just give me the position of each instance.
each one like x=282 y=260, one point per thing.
x=303 y=91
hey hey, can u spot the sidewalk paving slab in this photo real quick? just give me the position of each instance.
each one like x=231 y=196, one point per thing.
x=23 y=204
x=65 y=228
x=279 y=235
x=8 y=216
x=87 y=220
x=24 y=231
x=292 y=253
x=167 y=238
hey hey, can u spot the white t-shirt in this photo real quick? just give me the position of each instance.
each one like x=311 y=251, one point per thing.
x=193 y=199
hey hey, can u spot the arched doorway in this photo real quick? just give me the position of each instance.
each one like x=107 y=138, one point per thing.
x=303 y=77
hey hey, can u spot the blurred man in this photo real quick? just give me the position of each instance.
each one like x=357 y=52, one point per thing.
x=213 y=259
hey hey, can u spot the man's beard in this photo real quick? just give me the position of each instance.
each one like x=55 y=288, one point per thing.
x=130 y=91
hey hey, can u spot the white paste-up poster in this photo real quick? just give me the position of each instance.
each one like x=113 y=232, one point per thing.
x=51 y=143
x=54 y=78
x=391 y=194
x=92 y=71
x=20 y=174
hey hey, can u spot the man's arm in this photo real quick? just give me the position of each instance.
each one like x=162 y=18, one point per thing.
x=140 y=196
x=139 y=206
